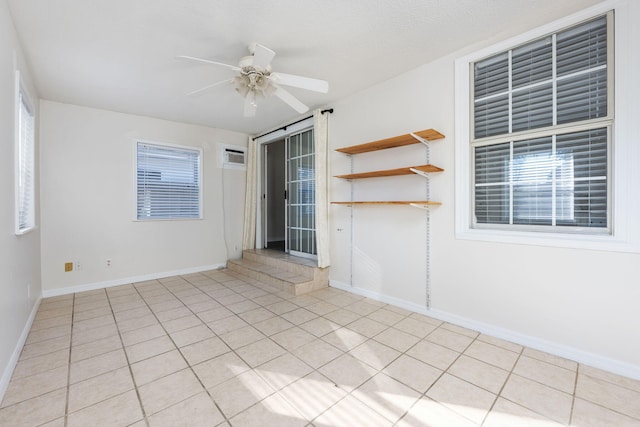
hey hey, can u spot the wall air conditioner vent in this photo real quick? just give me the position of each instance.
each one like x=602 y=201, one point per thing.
x=232 y=157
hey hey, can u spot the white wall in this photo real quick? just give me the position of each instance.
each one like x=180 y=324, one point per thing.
x=88 y=199
x=19 y=255
x=577 y=303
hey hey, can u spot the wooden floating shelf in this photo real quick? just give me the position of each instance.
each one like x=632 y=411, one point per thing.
x=392 y=172
x=398 y=202
x=397 y=141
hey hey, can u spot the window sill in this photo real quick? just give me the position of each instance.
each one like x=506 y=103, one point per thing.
x=572 y=241
x=166 y=219
x=25 y=231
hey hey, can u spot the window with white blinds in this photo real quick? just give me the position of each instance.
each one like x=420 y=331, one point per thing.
x=541 y=133
x=25 y=170
x=168 y=182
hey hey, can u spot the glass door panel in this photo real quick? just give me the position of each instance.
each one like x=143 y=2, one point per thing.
x=301 y=186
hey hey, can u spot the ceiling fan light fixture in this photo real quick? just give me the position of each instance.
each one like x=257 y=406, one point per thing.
x=255 y=79
x=242 y=90
x=253 y=82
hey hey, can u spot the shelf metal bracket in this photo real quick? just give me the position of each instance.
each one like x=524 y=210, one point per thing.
x=419 y=138
x=419 y=172
x=416 y=205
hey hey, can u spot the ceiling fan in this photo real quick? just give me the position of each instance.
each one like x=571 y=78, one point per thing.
x=254 y=79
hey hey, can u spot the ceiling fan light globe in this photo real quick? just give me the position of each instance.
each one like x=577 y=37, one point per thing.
x=262 y=83
x=242 y=90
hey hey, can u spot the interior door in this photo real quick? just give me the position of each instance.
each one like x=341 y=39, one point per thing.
x=301 y=195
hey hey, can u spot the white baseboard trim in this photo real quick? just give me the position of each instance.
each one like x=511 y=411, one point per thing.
x=13 y=360
x=580 y=356
x=46 y=293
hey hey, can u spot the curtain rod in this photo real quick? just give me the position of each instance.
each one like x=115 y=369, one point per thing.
x=328 y=110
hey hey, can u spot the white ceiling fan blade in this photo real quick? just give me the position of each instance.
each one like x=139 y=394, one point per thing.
x=291 y=100
x=202 y=89
x=206 y=61
x=307 y=83
x=262 y=56
x=250 y=105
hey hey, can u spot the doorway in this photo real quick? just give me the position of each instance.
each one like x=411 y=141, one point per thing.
x=274 y=199
x=289 y=195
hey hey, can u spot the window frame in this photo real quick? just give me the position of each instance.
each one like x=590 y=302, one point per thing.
x=624 y=235
x=550 y=131
x=199 y=150
x=22 y=97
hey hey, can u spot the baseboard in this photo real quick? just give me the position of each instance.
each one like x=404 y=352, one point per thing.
x=580 y=356
x=13 y=360
x=127 y=280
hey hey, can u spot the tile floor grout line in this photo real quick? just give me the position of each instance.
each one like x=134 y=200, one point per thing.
x=504 y=384
x=314 y=370
x=276 y=392
x=423 y=395
x=446 y=370
x=573 y=396
x=350 y=393
x=226 y=418
x=512 y=373
x=124 y=350
x=180 y=352
x=71 y=347
x=598 y=404
x=68 y=388
x=542 y=383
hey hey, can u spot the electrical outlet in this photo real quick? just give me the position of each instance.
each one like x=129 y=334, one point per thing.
x=68 y=266
x=108 y=263
x=78 y=266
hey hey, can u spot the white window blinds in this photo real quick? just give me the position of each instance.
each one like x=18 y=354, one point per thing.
x=541 y=132
x=25 y=176
x=168 y=182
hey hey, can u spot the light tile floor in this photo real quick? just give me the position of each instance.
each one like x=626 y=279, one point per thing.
x=218 y=349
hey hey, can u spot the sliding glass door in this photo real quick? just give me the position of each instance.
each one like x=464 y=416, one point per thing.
x=301 y=185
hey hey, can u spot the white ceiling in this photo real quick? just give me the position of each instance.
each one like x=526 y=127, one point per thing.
x=120 y=54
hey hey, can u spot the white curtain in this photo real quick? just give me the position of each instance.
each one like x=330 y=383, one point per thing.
x=321 y=136
x=250 y=198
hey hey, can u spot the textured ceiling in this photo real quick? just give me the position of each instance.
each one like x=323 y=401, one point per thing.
x=120 y=54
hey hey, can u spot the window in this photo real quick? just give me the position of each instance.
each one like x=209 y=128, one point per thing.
x=168 y=182
x=540 y=133
x=568 y=184
x=25 y=163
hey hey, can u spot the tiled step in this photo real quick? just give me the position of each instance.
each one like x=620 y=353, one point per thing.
x=290 y=274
